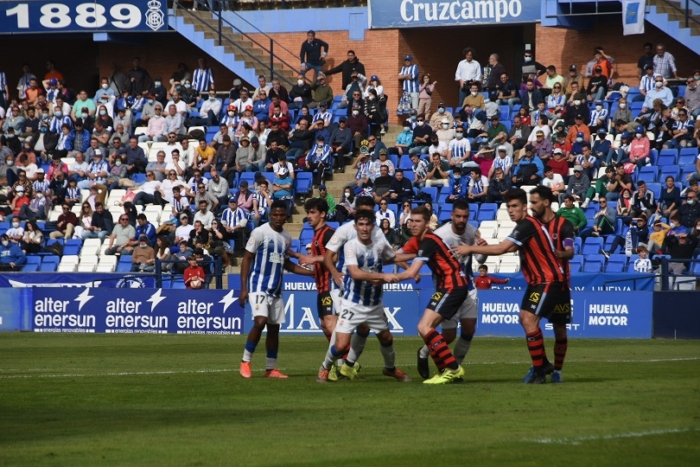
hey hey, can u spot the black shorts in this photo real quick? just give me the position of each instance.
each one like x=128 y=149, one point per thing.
x=324 y=304
x=551 y=301
x=447 y=302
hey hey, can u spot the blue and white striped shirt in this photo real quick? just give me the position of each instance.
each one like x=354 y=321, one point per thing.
x=340 y=238
x=319 y=155
x=646 y=84
x=595 y=115
x=410 y=85
x=58 y=122
x=368 y=258
x=504 y=163
x=3 y=81
x=97 y=167
x=262 y=203
x=42 y=185
x=234 y=218
x=270 y=250
x=459 y=148
x=202 y=79
x=325 y=116
x=73 y=193
x=687 y=125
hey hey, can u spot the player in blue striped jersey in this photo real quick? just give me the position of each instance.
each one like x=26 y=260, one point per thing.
x=264 y=260
x=362 y=299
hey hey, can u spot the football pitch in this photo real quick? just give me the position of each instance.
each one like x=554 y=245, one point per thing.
x=84 y=400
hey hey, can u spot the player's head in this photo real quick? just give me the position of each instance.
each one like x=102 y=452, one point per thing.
x=364 y=202
x=642 y=251
x=460 y=215
x=364 y=222
x=316 y=211
x=278 y=214
x=420 y=218
x=516 y=202
x=483 y=270
x=541 y=199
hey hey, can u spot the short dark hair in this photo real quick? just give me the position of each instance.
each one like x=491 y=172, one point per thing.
x=423 y=212
x=484 y=267
x=515 y=194
x=364 y=214
x=141 y=217
x=543 y=192
x=278 y=204
x=569 y=198
x=460 y=203
x=641 y=183
x=320 y=204
x=475 y=170
x=364 y=202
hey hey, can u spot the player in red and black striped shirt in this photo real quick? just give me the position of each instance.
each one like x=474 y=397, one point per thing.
x=548 y=292
x=452 y=290
x=316 y=212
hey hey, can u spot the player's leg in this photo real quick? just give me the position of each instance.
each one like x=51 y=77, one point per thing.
x=272 y=340
x=357 y=344
x=440 y=352
x=324 y=307
x=340 y=341
x=464 y=341
x=449 y=332
x=560 y=346
x=531 y=309
x=386 y=346
x=259 y=306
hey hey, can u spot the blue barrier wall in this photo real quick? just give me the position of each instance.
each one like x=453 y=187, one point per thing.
x=677 y=315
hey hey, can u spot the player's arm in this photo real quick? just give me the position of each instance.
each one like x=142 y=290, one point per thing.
x=245 y=270
x=568 y=235
x=296 y=269
x=359 y=275
x=402 y=257
x=505 y=246
x=329 y=261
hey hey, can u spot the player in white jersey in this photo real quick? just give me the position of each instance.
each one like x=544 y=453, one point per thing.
x=454 y=233
x=362 y=299
x=265 y=258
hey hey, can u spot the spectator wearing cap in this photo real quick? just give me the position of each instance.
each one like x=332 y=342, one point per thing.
x=320 y=91
x=597 y=85
x=638 y=150
x=319 y=160
x=579 y=126
x=282 y=189
x=98 y=171
x=436 y=120
x=341 y=143
x=375 y=84
x=502 y=161
x=348 y=67
x=382 y=160
x=358 y=124
x=143 y=258
x=542 y=146
x=300 y=94
x=660 y=91
x=602 y=147
x=529 y=170
x=409 y=77
x=78 y=139
x=248 y=122
x=235 y=92
x=646 y=83
x=445 y=131
x=573 y=77
x=495 y=128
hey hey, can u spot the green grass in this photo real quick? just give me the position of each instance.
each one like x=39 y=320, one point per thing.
x=83 y=400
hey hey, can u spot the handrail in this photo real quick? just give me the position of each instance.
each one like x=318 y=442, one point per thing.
x=217 y=14
x=685 y=11
x=265 y=34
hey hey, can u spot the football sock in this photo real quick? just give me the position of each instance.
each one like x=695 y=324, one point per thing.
x=331 y=356
x=248 y=351
x=560 y=346
x=389 y=355
x=440 y=351
x=357 y=346
x=424 y=352
x=462 y=347
x=271 y=360
x=535 y=345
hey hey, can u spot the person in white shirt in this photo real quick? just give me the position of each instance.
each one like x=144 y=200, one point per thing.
x=204 y=215
x=182 y=233
x=385 y=213
x=178 y=103
x=468 y=73
x=553 y=180
x=176 y=165
x=170 y=182
x=478 y=186
x=210 y=110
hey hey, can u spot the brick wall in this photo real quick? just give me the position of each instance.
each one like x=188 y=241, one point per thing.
x=563 y=47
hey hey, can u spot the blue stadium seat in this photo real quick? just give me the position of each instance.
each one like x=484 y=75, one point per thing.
x=48 y=267
x=669 y=171
x=432 y=191
x=296 y=244
x=409 y=175
x=394 y=159
x=444 y=216
x=405 y=163
x=648 y=174
x=304 y=183
x=687 y=156
x=486 y=215
x=577 y=245
x=138 y=178
x=655 y=188
x=576 y=263
x=592 y=246
x=615 y=267
x=505 y=112
x=31 y=267
x=594 y=263
x=667 y=157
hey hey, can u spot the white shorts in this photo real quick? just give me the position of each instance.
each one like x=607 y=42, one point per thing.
x=352 y=315
x=268 y=306
x=337 y=297
x=468 y=310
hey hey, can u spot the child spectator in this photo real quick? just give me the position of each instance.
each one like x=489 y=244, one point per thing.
x=194 y=274
x=643 y=263
x=483 y=281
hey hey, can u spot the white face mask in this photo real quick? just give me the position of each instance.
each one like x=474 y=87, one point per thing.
x=638 y=135
x=157 y=84
x=579 y=140
x=5 y=243
x=459 y=135
x=577 y=102
x=457 y=177
x=15 y=224
x=347 y=194
x=441 y=110
x=103 y=112
x=474 y=93
x=58 y=114
x=527 y=58
x=188 y=85
x=231 y=113
x=105 y=86
x=445 y=125
x=143 y=246
x=672 y=225
x=355 y=113
x=86 y=115
x=658 y=84
x=300 y=82
x=421 y=123
x=697 y=78
x=212 y=98
x=623 y=106
x=407 y=128
x=599 y=108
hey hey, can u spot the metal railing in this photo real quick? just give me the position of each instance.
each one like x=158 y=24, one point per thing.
x=217 y=274
x=687 y=11
x=222 y=38
x=665 y=275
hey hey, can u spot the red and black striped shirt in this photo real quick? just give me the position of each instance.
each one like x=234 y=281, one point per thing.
x=537 y=260
x=440 y=260
x=318 y=248
x=560 y=229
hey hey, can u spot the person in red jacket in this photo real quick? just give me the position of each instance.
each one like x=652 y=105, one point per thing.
x=194 y=274
x=484 y=281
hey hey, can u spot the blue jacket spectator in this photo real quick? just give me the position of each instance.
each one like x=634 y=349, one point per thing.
x=143 y=227
x=11 y=256
x=82 y=136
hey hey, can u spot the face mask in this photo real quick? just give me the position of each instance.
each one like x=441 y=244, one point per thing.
x=457 y=177
x=579 y=140
x=528 y=59
x=320 y=145
x=696 y=78
x=188 y=85
x=347 y=194
x=421 y=123
x=157 y=84
x=15 y=224
x=39 y=195
x=599 y=108
x=118 y=163
x=151 y=101
x=459 y=135
x=105 y=86
x=407 y=128
x=300 y=82
x=691 y=201
x=577 y=102
x=231 y=114
x=658 y=84
x=441 y=110
x=143 y=246
x=622 y=106
x=86 y=115
x=673 y=225
x=5 y=242
x=10 y=163
x=58 y=114
x=413 y=118
x=638 y=135
x=103 y=112
x=445 y=125
x=474 y=93
x=355 y=113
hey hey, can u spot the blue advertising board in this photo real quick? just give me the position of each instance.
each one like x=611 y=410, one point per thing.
x=152 y=311
x=10 y=301
x=34 y=16
x=389 y=14
x=590 y=282
x=57 y=279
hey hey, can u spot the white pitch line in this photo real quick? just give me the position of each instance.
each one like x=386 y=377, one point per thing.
x=639 y=434
x=228 y=370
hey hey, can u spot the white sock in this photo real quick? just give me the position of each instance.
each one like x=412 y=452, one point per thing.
x=357 y=346
x=270 y=363
x=330 y=356
x=247 y=356
x=424 y=352
x=461 y=348
x=389 y=355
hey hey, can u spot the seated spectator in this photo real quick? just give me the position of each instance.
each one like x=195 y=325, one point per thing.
x=458 y=186
x=621 y=181
x=573 y=214
x=182 y=233
x=587 y=161
x=602 y=148
x=340 y=143
x=277 y=116
x=16 y=231
x=643 y=263
x=318 y=160
x=97 y=224
x=529 y=169
x=604 y=221
x=689 y=211
x=121 y=236
x=553 y=181
x=679 y=245
x=36 y=209
x=282 y=189
x=459 y=150
x=329 y=199
x=199 y=236
x=437 y=171
x=66 y=223
x=498 y=186
x=578 y=186
x=420 y=170
x=194 y=274
x=300 y=95
x=642 y=201
x=660 y=91
x=518 y=134
x=638 y=151
x=669 y=200
x=382 y=184
x=422 y=135
x=683 y=132
x=11 y=256
x=150 y=192
x=143 y=258
x=400 y=189
x=32 y=240
x=597 y=85
x=300 y=141
x=135 y=157
x=385 y=214
x=388 y=231
x=622 y=114
x=478 y=186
